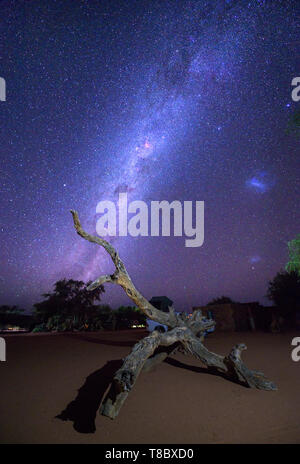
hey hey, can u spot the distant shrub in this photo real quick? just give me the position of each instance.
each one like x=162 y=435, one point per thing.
x=40 y=328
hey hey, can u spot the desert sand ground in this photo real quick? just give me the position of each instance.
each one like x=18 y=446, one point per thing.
x=66 y=375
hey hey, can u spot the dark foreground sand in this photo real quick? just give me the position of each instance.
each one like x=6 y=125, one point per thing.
x=176 y=403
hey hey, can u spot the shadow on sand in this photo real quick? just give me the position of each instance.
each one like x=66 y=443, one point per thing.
x=83 y=409
x=204 y=370
x=91 y=339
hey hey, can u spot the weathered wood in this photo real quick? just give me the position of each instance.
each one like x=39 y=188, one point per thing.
x=125 y=378
x=171 y=319
x=185 y=333
x=160 y=354
x=232 y=365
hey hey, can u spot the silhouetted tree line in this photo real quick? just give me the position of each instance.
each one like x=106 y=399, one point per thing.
x=13 y=316
x=72 y=307
x=283 y=291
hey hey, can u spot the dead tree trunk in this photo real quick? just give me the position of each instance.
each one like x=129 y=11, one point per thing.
x=183 y=332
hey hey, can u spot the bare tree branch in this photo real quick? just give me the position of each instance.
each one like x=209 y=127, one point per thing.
x=185 y=332
x=125 y=378
x=198 y=324
x=101 y=280
x=121 y=277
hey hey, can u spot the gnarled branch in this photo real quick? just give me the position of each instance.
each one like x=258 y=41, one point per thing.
x=184 y=332
x=121 y=277
x=230 y=366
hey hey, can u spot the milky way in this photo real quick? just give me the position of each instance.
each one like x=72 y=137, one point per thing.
x=164 y=101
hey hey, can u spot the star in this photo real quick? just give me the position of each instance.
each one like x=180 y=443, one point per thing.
x=188 y=103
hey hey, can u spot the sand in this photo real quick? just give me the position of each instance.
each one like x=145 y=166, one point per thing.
x=66 y=375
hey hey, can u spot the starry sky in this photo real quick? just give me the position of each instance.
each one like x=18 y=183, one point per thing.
x=164 y=100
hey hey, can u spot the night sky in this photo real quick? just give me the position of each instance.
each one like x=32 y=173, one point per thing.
x=165 y=100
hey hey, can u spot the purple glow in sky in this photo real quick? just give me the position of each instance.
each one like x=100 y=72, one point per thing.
x=162 y=100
